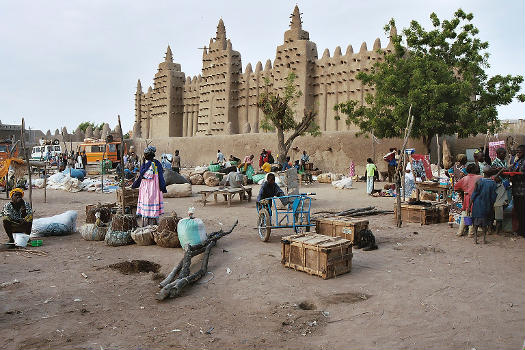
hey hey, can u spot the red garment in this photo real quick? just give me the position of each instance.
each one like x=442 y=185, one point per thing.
x=467 y=185
x=262 y=159
x=425 y=159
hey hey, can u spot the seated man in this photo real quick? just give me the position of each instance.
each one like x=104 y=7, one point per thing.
x=269 y=189
x=286 y=165
x=234 y=179
x=17 y=215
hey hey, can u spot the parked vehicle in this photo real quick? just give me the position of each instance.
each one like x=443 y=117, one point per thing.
x=8 y=150
x=41 y=152
x=97 y=150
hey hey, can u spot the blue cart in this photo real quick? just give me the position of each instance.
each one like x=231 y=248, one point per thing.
x=295 y=214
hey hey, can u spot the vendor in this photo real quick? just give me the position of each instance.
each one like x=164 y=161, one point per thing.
x=17 y=215
x=269 y=188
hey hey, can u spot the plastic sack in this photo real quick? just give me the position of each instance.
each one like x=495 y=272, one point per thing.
x=345 y=182
x=57 y=225
x=258 y=177
x=172 y=177
x=118 y=238
x=144 y=235
x=191 y=231
x=178 y=190
x=92 y=232
x=214 y=167
x=75 y=173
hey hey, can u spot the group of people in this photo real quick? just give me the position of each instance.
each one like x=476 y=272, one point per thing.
x=487 y=189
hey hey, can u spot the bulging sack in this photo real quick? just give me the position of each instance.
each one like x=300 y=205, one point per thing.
x=177 y=191
x=119 y=232
x=144 y=235
x=191 y=231
x=92 y=232
x=58 y=225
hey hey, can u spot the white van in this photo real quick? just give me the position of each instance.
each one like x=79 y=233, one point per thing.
x=40 y=152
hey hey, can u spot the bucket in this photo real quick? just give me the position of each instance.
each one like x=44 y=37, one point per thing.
x=21 y=239
x=467 y=220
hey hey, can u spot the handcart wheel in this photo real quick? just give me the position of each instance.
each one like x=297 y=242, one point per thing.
x=264 y=225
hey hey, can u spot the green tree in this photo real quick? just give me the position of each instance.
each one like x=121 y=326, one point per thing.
x=441 y=73
x=84 y=125
x=279 y=116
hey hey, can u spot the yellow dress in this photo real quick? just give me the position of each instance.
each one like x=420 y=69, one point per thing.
x=266 y=167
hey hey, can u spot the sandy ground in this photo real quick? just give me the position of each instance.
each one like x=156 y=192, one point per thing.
x=423 y=288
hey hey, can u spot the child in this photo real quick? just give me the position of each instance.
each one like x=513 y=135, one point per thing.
x=482 y=203
x=370 y=174
x=501 y=201
x=467 y=185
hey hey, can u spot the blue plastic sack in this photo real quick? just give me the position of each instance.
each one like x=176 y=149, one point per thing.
x=191 y=231
x=76 y=173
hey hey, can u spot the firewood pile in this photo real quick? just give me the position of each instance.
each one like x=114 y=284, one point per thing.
x=180 y=278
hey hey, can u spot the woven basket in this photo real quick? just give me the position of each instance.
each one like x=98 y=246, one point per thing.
x=166 y=235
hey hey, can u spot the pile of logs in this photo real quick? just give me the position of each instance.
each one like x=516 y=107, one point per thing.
x=171 y=288
x=356 y=212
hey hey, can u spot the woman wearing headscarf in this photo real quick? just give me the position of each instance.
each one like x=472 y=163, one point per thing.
x=17 y=215
x=151 y=185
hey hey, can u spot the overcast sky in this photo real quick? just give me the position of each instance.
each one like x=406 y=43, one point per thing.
x=64 y=62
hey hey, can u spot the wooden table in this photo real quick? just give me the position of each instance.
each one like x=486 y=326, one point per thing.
x=442 y=190
x=228 y=193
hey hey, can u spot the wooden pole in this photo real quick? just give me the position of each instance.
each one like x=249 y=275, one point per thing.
x=410 y=122
x=45 y=181
x=122 y=166
x=102 y=166
x=374 y=147
x=438 y=155
x=28 y=165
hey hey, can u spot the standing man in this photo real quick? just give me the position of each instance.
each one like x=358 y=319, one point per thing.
x=220 y=157
x=518 y=189
x=175 y=162
x=305 y=158
x=390 y=158
x=17 y=215
x=370 y=175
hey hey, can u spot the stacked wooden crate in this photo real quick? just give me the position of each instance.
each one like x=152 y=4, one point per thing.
x=341 y=227
x=316 y=254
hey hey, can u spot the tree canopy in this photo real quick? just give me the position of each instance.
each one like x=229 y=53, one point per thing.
x=441 y=73
x=279 y=115
x=84 y=125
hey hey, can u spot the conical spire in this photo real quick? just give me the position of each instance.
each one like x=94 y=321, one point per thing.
x=393 y=31
x=169 y=55
x=139 y=86
x=296 y=31
x=296 y=22
x=221 y=30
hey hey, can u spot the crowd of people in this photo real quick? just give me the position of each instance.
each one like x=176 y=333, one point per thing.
x=486 y=188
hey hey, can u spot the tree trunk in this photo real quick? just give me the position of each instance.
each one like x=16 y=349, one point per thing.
x=281 y=147
x=427 y=140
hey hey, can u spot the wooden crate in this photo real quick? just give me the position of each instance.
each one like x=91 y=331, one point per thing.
x=419 y=214
x=131 y=196
x=318 y=255
x=90 y=216
x=341 y=227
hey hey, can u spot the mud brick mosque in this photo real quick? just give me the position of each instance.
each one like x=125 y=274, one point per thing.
x=223 y=99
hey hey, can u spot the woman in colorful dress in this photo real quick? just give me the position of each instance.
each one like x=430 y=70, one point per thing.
x=151 y=185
